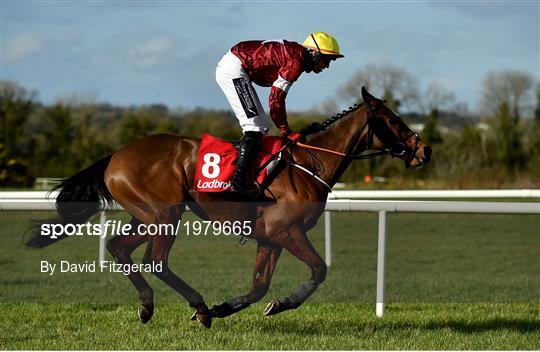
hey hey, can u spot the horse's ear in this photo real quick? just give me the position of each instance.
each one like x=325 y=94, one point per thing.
x=366 y=96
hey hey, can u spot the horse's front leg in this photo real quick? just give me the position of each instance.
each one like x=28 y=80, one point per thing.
x=299 y=245
x=267 y=257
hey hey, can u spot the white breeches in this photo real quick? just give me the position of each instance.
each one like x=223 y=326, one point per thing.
x=236 y=85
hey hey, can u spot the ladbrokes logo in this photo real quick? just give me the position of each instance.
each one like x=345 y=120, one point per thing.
x=213 y=184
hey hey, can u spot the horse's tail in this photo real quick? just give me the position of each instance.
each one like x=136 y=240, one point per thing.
x=80 y=197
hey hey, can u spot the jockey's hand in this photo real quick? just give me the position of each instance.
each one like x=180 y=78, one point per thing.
x=296 y=137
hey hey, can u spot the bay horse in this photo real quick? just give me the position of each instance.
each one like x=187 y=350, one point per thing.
x=152 y=179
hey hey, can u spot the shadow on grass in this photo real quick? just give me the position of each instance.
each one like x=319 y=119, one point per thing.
x=322 y=327
x=519 y=325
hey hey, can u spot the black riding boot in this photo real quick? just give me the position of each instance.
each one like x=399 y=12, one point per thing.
x=248 y=145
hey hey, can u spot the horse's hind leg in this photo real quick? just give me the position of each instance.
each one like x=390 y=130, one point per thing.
x=121 y=248
x=158 y=250
x=267 y=257
x=299 y=245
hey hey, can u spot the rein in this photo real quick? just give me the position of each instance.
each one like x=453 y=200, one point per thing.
x=343 y=155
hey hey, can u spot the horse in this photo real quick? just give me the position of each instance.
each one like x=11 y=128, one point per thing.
x=152 y=178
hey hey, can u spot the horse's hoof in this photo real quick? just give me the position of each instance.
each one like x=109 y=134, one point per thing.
x=205 y=320
x=273 y=307
x=145 y=313
x=221 y=311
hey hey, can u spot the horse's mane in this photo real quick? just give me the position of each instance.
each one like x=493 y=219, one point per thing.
x=321 y=126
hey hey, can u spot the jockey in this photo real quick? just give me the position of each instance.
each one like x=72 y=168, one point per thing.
x=271 y=63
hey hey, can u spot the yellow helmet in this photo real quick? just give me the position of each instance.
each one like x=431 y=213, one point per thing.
x=324 y=43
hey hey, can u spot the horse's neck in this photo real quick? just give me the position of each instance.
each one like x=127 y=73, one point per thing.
x=344 y=136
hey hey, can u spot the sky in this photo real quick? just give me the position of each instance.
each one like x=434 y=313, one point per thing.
x=140 y=52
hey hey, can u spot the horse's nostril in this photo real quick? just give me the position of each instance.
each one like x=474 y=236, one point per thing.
x=427 y=153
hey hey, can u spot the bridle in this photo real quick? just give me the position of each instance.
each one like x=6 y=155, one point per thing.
x=395 y=147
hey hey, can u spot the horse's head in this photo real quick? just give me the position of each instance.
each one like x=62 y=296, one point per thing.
x=388 y=131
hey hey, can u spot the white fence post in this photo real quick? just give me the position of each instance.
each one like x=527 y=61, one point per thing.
x=102 y=239
x=381 y=264
x=327 y=238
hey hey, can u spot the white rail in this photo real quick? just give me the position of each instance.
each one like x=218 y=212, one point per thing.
x=427 y=206
x=355 y=194
x=437 y=194
x=30 y=201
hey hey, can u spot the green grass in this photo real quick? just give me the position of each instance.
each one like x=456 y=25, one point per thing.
x=315 y=326
x=454 y=282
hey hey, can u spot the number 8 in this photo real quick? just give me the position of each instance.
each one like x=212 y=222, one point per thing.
x=211 y=160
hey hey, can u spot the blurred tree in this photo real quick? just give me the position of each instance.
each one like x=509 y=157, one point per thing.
x=385 y=81
x=134 y=125
x=470 y=146
x=513 y=88
x=438 y=97
x=158 y=110
x=534 y=138
x=166 y=125
x=300 y=120
x=13 y=172
x=508 y=94
x=218 y=123
x=508 y=140
x=431 y=133
x=55 y=155
x=88 y=145
x=537 y=109
x=329 y=106
x=16 y=105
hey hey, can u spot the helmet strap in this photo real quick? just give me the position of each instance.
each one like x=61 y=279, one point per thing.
x=318 y=56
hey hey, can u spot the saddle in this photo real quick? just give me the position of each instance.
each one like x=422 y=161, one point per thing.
x=216 y=162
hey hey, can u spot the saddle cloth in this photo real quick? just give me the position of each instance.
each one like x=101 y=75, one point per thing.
x=216 y=163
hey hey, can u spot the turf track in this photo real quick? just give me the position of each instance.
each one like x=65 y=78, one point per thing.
x=454 y=282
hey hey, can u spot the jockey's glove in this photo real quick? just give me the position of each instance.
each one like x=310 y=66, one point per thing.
x=290 y=134
x=296 y=137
